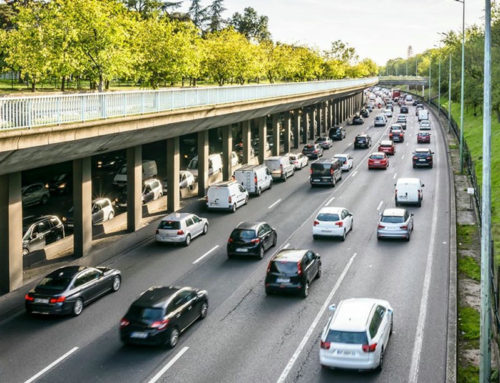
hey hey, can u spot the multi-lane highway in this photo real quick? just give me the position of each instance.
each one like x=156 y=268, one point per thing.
x=248 y=336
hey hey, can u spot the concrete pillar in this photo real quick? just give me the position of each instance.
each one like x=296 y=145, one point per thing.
x=134 y=188
x=82 y=202
x=227 y=149
x=319 y=112
x=276 y=124
x=288 y=128
x=261 y=124
x=173 y=166
x=336 y=110
x=305 y=123
x=246 y=133
x=325 y=117
x=11 y=232
x=310 y=119
x=202 y=162
x=330 y=114
x=296 y=128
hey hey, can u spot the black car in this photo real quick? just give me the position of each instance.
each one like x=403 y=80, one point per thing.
x=40 y=232
x=292 y=270
x=61 y=184
x=364 y=113
x=337 y=133
x=109 y=162
x=357 y=120
x=161 y=314
x=312 y=151
x=362 y=141
x=251 y=238
x=422 y=157
x=403 y=109
x=68 y=289
x=415 y=102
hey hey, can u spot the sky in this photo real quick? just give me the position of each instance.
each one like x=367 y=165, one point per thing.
x=377 y=29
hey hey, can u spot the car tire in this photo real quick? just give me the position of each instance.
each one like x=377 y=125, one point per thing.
x=268 y=292
x=343 y=236
x=275 y=240
x=352 y=225
x=187 y=241
x=203 y=310
x=315 y=236
x=334 y=182
x=419 y=203
x=283 y=178
x=261 y=252
x=392 y=324
x=173 y=338
x=117 y=282
x=318 y=274
x=381 y=361
x=246 y=200
x=77 y=307
x=44 y=200
x=233 y=208
x=259 y=192
x=305 y=290
x=205 y=229
x=270 y=185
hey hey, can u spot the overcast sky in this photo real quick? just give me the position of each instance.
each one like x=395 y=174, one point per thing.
x=378 y=29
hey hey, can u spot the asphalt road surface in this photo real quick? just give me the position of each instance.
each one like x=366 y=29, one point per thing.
x=248 y=336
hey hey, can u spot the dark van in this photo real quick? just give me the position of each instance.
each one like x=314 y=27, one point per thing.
x=337 y=133
x=326 y=171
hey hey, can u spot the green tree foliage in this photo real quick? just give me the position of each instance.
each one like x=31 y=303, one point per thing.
x=250 y=24
x=198 y=14
x=216 y=21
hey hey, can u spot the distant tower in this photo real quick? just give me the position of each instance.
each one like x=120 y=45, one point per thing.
x=410 y=51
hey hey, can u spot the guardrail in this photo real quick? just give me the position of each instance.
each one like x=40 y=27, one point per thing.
x=36 y=111
x=418 y=78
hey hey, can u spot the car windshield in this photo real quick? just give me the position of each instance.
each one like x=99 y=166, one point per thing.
x=320 y=168
x=361 y=139
x=327 y=217
x=144 y=313
x=392 y=219
x=284 y=267
x=308 y=148
x=341 y=159
x=169 y=225
x=54 y=283
x=377 y=157
x=321 y=139
x=241 y=234
x=60 y=177
x=349 y=337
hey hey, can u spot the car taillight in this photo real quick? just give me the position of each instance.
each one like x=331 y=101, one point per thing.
x=429 y=158
x=415 y=158
x=124 y=323
x=369 y=347
x=316 y=151
x=230 y=240
x=255 y=180
x=180 y=232
x=255 y=240
x=310 y=171
x=159 y=324
x=339 y=223
x=157 y=231
x=381 y=226
x=29 y=298
x=229 y=199
x=331 y=172
x=299 y=268
x=404 y=227
x=57 y=300
x=420 y=194
x=325 y=345
x=269 y=267
x=315 y=223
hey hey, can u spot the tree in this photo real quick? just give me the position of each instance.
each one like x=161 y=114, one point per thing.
x=250 y=24
x=198 y=13
x=342 y=52
x=215 y=10
x=149 y=7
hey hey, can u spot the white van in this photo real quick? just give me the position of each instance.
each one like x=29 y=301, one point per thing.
x=423 y=114
x=409 y=191
x=280 y=167
x=226 y=195
x=149 y=170
x=214 y=164
x=254 y=178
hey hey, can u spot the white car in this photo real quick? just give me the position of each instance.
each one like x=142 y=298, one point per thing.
x=181 y=228
x=357 y=334
x=380 y=120
x=102 y=210
x=332 y=222
x=346 y=160
x=298 y=160
x=425 y=125
x=388 y=112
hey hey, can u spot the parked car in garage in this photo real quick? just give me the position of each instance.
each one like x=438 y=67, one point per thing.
x=35 y=194
x=61 y=184
x=39 y=232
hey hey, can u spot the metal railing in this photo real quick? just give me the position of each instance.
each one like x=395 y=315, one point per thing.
x=35 y=111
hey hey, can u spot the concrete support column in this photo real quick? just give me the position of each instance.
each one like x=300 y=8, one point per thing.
x=202 y=162
x=288 y=129
x=227 y=149
x=325 y=117
x=11 y=232
x=330 y=114
x=261 y=124
x=82 y=202
x=296 y=128
x=305 y=123
x=276 y=134
x=336 y=108
x=310 y=127
x=134 y=188
x=173 y=176
x=246 y=133
x=318 y=110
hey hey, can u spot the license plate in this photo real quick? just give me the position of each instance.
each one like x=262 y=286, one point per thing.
x=402 y=197
x=139 y=335
x=341 y=352
x=242 y=250
x=326 y=231
x=421 y=160
x=282 y=280
x=41 y=300
x=316 y=180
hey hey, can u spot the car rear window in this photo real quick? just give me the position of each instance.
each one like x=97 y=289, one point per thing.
x=385 y=145
x=169 y=225
x=242 y=234
x=54 y=284
x=328 y=217
x=284 y=267
x=273 y=164
x=309 y=147
x=361 y=139
x=321 y=168
x=349 y=337
x=145 y=313
x=377 y=157
x=341 y=159
x=392 y=219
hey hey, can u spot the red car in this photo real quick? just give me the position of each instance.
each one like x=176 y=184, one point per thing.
x=387 y=147
x=423 y=138
x=397 y=135
x=378 y=160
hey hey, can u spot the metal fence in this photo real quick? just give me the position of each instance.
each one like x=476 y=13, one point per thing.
x=35 y=111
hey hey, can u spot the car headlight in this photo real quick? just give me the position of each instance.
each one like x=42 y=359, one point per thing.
x=64 y=219
x=62 y=186
x=46 y=186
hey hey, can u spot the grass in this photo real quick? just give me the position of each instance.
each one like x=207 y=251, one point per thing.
x=465 y=235
x=468 y=323
x=469 y=267
x=469 y=374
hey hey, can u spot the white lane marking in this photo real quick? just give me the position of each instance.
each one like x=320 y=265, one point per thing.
x=329 y=201
x=349 y=144
x=380 y=205
x=204 y=255
x=160 y=373
x=286 y=246
x=394 y=176
x=403 y=156
x=275 y=203
x=34 y=377
x=422 y=315
x=315 y=322
x=354 y=174
x=407 y=143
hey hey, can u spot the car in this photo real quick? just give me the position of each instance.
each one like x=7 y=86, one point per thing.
x=380 y=120
x=149 y=170
x=396 y=135
x=387 y=147
x=326 y=171
x=109 y=162
x=60 y=184
x=161 y=314
x=67 y=290
x=423 y=114
x=337 y=133
x=186 y=181
x=415 y=102
x=395 y=223
x=408 y=191
x=418 y=108
x=401 y=121
x=254 y=178
x=227 y=195
x=362 y=141
x=395 y=127
x=39 y=232
x=425 y=125
x=378 y=160
x=215 y=164
x=292 y=270
x=280 y=167
x=357 y=120
x=388 y=112
x=312 y=151
x=102 y=210
x=180 y=228
x=151 y=190
x=35 y=194
x=364 y=113
x=422 y=157
x=346 y=161
x=251 y=238
x=403 y=109
x=332 y=222
x=369 y=107
x=357 y=334
x=324 y=142
x=423 y=138
x=298 y=160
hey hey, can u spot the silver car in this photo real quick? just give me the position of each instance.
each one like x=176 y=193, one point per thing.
x=395 y=223
x=35 y=194
x=181 y=228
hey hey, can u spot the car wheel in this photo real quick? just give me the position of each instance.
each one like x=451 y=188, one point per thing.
x=334 y=182
x=315 y=236
x=246 y=200
x=261 y=252
x=419 y=203
x=270 y=185
x=205 y=229
x=392 y=324
x=230 y=256
x=259 y=191
x=233 y=208
x=203 y=310
x=187 y=240
x=305 y=290
x=117 y=282
x=173 y=338
x=25 y=252
x=268 y=292
x=352 y=226
x=318 y=274
x=44 y=200
x=283 y=178
x=275 y=239
x=77 y=307
x=111 y=216
x=381 y=361
x=408 y=237
x=343 y=235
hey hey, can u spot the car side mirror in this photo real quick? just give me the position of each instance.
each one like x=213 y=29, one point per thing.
x=423 y=185
x=332 y=308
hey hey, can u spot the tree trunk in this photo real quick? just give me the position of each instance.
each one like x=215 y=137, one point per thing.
x=63 y=83
x=100 y=82
x=107 y=82
x=33 y=84
x=183 y=80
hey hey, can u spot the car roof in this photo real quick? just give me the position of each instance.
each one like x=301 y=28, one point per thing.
x=251 y=167
x=176 y=216
x=362 y=135
x=353 y=314
x=398 y=125
x=394 y=212
x=331 y=210
x=292 y=255
x=273 y=158
x=67 y=272
x=341 y=155
x=422 y=150
x=386 y=142
x=324 y=160
x=156 y=296
x=408 y=180
x=223 y=184
x=249 y=225
x=377 y=154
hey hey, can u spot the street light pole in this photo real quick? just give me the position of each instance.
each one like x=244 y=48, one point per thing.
x=449 y=96
x=462 y=81
x=484 y=342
